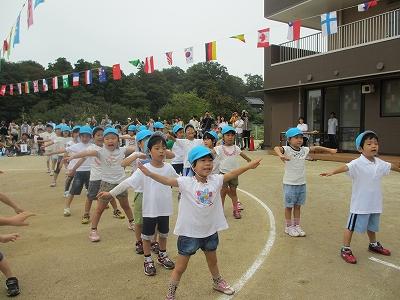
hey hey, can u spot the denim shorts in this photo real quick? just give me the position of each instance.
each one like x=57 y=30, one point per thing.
x=362 y=222
x=81 y=178
x=188 y=246
x=294 y=194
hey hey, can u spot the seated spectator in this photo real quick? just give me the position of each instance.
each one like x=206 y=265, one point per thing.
x=24 y=145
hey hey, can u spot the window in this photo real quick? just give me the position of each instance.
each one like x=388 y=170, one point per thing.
x=390 y=98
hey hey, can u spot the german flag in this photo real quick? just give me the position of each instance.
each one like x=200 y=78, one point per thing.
x=211 y=51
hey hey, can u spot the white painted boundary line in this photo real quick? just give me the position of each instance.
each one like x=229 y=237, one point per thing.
x=238 y=285
x=384 y=263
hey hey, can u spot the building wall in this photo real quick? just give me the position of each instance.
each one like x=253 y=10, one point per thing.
x=352 y=15
x=273 y=6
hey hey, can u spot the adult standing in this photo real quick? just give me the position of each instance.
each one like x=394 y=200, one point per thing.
x=304 y=128
x=238 y=125
x=207 y=122
x=222 y=123
x=332 y=130
x=246 y=129
x=13 y=130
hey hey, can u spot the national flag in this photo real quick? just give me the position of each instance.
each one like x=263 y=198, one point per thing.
x=102 y=75
x=263 y=38
x=116 y=69
x=35 y=86
x=37 y=2
x=9 y=42
x=294 y=30
x=239 y=37
x=136 y=63
x=189 y=55
x=211 y=51
x=75 y=79
x=329 y=23
x=149 y=65
x=366 y=5
x=88 y=77
x=26 y=86
x=30 y=13
x=169 y=58
x=11 y=86
x=54 y=83
x=16 y=33
x=65 y=79
x=45 y=86
x=19 y=86
x=3 y=90
x=5 y=47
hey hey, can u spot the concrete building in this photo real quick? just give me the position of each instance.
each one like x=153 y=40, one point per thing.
x=354 y=73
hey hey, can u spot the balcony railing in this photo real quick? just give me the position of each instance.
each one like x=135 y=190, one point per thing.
x=379 y=27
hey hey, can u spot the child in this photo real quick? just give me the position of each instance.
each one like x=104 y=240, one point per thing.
x=200 y=214
x=70 y=167
x=227 y=154
x=48 y=136
x=294 y=179
x=210 y=139
x=157 y=202
x=158 y=126
x=366 y=173
x=177 y=148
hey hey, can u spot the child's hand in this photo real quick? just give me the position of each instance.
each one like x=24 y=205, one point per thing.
x=12 y=237
x=18 y=210
x=142 y=168
x=71 y=173
x=19 y=220
x=332 y=151
x=254 y=163
x=104 y=196
x=283 y=158
x=142 y=156
x=326 y=174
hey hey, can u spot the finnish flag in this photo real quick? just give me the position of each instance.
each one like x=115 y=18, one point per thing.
x=329 y=23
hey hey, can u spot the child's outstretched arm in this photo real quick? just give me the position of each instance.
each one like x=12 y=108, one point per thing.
x=339 y=170
x=170 y=181
x=395 y=168
x=17 y=220
x=169 y=154
x=235 y=173
x=82 y=154
x=10 y=203
x=279 y=151
x=11 y=237
x=61 y=151
x=120 y=188
x=323 y=149
x=248 y=159
x=131 y=158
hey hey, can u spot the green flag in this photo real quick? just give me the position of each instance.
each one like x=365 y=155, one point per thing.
x=137 y=63
x=65 y=81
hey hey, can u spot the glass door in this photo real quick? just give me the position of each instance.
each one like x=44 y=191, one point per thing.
x=314 y=114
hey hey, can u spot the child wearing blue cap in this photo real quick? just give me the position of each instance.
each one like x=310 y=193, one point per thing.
x=48 y=136
x=178 y=149
x=294 y=178
x=200 y=214
x=366 y=173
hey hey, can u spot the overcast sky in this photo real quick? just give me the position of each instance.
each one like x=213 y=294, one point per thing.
x=116 y=31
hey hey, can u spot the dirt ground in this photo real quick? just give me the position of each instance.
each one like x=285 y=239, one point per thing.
x=55 y=260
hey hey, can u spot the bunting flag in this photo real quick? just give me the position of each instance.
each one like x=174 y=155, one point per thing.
x=26 y=86
x=65 y=79
x=136 y=63
x=294 y=30
x=88 y=77
x=211 y=51
x=367 y=5
x=102 y=75
x=149 y=65
x=116 y=69
x=263 y=38
x=169 y=58
x=9 y=42
x=30 y=14
x=16 y=33
x=11 y=89
x=37 y=2
x=5 y=47
x=75 y=79
x=189 y=55
x=329 y=23
x=35 y=86
x=45 y=87
x=3 y=90
x=239 y=37
x=55 y=83
x=19 y=86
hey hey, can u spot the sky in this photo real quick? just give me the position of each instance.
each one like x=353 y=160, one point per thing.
x=116 y=31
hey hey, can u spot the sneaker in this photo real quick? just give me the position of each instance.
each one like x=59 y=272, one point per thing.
x=291 y=231
x=131 y=225
x=149 y=268
x=300 y=231
x=348 y=256
x=240 y=206
x=379 y=249
x=67 y=212
x=53 y=184
x=236 y=214
x=166 y=262
x=48 y=171
x=51 y=173
x=170 y=297
x=139 y=247
x=155 y=248
x=66 y=194
x=223 y=287
x=94 y=236
x=118 y=214
x=85 y=219
x=12 y=286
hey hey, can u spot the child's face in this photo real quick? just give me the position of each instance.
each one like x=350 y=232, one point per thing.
x=208 y=143
x=180 y=134
x=204 y=166
x=190 y=133
x=75 y=134
x=370 y=148
x=296 y=141
x=229 y=139
x=141 y=145
x=98 y=137
x=49 y=129
x=66 y=133
x=58 y=132
x=85 y=138
x=158 y=152
x=111 y=141
x=131 y=133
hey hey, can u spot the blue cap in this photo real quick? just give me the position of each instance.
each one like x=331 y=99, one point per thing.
x=143 y=134
x=360 y=137
x=158 y=125
x=59 y=126
x=110 y=130
x=293 y=132
x=85 y=130
x=76 y=127
x=132 y=128
x=141 y=127
x=176 y=128
x=66 y=128
x=213 y=134
x=197 y=153
x=227 y=128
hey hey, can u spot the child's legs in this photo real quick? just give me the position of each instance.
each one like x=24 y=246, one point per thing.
x=212 y=262
x=124 y=203
x=137 y=214
x=163 y=229
x=224 y=192
x=288 y=214
x=68 y=201
x=101 y=206
x=371 y=236
x=148 y=230
x=68 y=182
x=138 y=231
x=348 y=234
x=180 y=267
x=114 y=204
x=5 y=267
x=48 y=162
x=53 y=163
x=233 y=195
x=373 y=227
x=93 y=190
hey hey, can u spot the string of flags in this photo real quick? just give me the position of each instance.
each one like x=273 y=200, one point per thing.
x=328 y=27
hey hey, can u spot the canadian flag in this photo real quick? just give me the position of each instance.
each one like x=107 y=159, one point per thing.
x=263 y=38
x=149 y=65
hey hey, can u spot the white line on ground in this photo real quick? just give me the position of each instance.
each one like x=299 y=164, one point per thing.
x=384 y=263
x=238 y=285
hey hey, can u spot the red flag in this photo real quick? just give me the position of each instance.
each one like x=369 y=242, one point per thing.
x=294 y=30
x=116 y=72
x=30 y=13
x=5 y=46
x=169 y=57
x=3 y=90
x=11 y=89
x=263 y=38
x=149 y=65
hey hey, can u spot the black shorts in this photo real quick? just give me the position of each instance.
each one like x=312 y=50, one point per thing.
x=150 y=224
x=81 y=178
x=178 y=168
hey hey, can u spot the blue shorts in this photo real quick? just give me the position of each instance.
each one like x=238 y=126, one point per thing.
x=294 y=194
x=188 y=246
x=362 y=222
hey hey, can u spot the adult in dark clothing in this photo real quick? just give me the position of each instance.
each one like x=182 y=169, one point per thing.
x=207 y=122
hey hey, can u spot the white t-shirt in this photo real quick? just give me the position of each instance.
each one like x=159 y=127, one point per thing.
x=60 y=143
x=332 y=125
x=111 y=169
x=179 y=151
x=239 y=126
x=222 y=124
x=95 y=167
x=47 y=137
x=295 y=169
x=200 y=211
x=195 y=124
x=227 y=156
x=304 y=128
x=188 y=145
x=366 y=194
x=79 y=147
